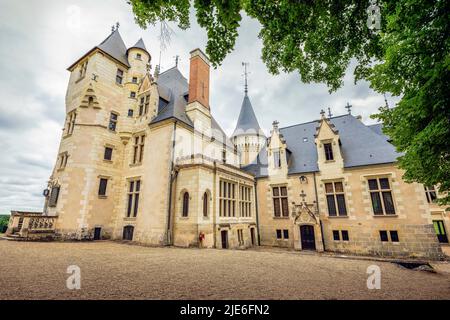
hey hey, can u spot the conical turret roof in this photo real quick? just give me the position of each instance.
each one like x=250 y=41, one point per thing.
x=247 y=122
x=139 y=45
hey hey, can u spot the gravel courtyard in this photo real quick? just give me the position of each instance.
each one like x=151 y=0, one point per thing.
x=119 y=271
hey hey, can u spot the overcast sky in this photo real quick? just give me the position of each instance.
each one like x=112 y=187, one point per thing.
x=40 y=39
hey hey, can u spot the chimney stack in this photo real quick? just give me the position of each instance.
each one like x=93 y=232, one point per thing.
x=199 y=78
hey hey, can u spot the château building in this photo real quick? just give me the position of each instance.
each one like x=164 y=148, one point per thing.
x=142 y=159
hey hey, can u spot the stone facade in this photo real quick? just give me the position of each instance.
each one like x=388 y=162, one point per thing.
x=142 y=159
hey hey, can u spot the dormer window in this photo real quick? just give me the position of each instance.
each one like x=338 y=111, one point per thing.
x=277 y=159
x=328 y=148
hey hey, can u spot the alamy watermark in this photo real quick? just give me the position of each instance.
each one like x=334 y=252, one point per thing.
x=73 y=282
x=373 y=16
x=374 y=279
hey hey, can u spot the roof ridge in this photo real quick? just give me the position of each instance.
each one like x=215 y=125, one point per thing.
x=312 y=121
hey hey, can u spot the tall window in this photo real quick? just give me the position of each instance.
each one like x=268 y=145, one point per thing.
x=71 y=117
x=328 y=151
x=205 y=204
x=147 y=104
x=185 y=211
x=227 y=199
x=141 y=106
x=245 y=202
x=113 y=121
x=280 y=202
x=54 y=194
x=381 y=196
x=108 y=153
x=240 y=234
x=138 y=149
x=119 y=76
x=277 y=159
x=102 y=187
x=133 y=198
x=335 y=199
x=83 y=68
x=430 y=192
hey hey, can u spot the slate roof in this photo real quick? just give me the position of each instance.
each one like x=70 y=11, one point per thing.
x=378 y=128
x=361 y=145
x=247 y=122
x=140 y=45
x=173 y=88
x=113 y=46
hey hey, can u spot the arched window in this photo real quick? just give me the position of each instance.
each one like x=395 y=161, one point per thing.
x=205 y=204
x=185 y=204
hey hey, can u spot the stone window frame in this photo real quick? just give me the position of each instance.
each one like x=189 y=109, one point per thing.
x=112 y=124
x=280 y=197
x=70 y=122
x=138 y=148
x=380 y=191
x=100 y=179
x=276 y=158
x=144 y=104
x=429 y=191
x=53 y=200
x=389 y=236
x=329 y=153
x=282 y=234
x=62 y=159
x=120 y=76
x=335 y=194
x=227 y=198
x=112 y=147
x=185 y=203
x=245 y=201
x=134 y=188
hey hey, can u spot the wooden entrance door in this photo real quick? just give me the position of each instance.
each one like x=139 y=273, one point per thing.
x=224 y=234
x=128 y=233
x=440 y=231
x=307 y=237
x=97 y=233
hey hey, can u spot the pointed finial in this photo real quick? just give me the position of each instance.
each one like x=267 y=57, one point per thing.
x=329 y=113
x=245 y=65
x=113 y=29
x=177 y=58
x=117 y=25
x=349 y=108
x=322 y=114
x=275 y=125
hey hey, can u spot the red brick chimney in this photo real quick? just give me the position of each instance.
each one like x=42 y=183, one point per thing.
x=199 y=78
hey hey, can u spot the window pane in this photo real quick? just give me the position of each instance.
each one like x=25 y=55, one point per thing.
x=336 y=235
x=338 y=187
x=136 y=204
x=383 y=236
x=328 y=187
x=286 y=234
x=373 y=184
x=138 y=185
x=102 y=187
x=384 y=183
x=331 y=205
x=394 y=236
x=328 y=151
x=276 y=207
x=108 y=154
x=388 y=202
x=285 y=207
x=376 y=203
x=283 y=191
x=130 y=202
x=433 y=196
x=276 y=191
x=278 y=234
x=131 y=186
x=345 y=235
x=341 y=205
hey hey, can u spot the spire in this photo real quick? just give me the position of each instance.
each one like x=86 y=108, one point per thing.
x=139 y=45
x=247 y=122
x=245 y=65
x=115 y=47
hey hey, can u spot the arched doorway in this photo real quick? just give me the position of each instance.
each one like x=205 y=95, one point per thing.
x=307 y=237
x=128 y=233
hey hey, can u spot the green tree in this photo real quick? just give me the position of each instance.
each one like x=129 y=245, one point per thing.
x=4 y=219
x=408 y=57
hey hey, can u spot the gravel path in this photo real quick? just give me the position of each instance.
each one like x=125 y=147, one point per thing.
x=119 y=271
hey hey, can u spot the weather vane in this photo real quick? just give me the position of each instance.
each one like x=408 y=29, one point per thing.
x=329 y=113
x=349 y=108
x=245 y=65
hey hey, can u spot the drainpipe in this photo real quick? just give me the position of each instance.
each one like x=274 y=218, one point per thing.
x=213 y=213
x=317 y=207
x=257 y=214
x=172 y=177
